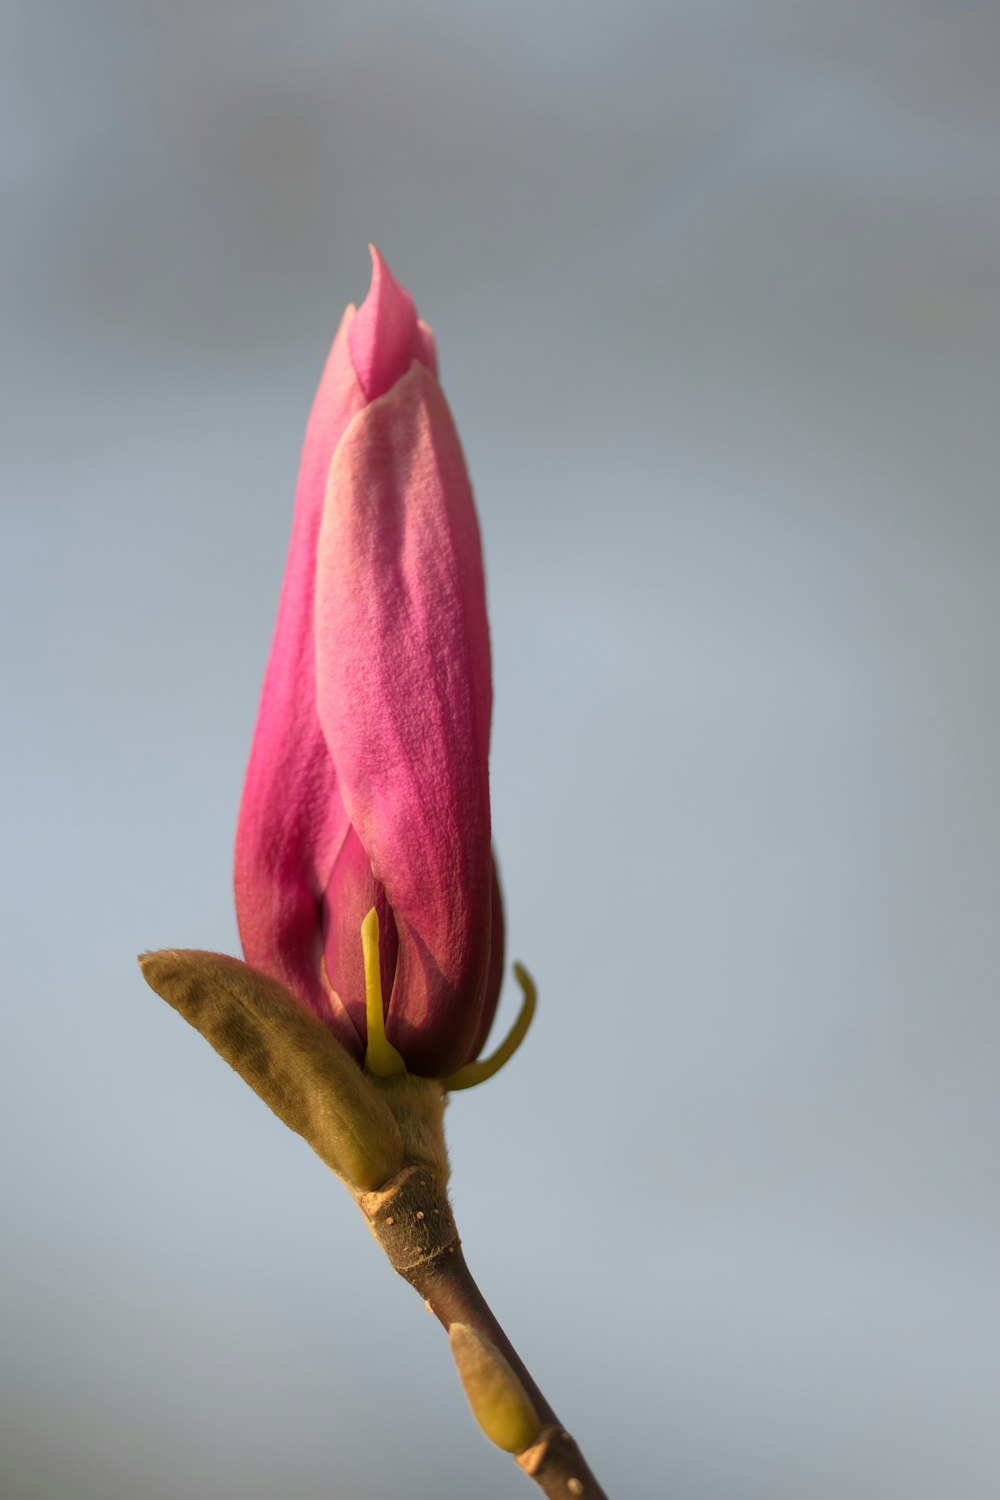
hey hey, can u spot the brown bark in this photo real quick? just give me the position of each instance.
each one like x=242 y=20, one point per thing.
x=411 y=1218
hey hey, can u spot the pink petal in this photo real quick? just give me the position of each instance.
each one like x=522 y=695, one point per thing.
x=494 y=976
x=386 y=336
x=426 y=346
x=404 y=698
x=292 y=820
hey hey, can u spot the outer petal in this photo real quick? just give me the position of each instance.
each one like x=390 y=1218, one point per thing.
x=494 y=976
x=292 y=820
x=404 y=698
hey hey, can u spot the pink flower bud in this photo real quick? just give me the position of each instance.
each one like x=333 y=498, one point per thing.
x=367 y=784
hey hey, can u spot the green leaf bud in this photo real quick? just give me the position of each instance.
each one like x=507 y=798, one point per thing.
x=499 y=1401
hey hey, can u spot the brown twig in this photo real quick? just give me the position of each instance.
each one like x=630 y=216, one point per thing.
x=411 y=1218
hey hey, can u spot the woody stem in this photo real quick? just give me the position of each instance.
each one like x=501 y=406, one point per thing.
x=411 y=1218
x=554 y=1461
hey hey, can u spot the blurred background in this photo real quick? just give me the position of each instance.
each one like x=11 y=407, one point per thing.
x=716 y=294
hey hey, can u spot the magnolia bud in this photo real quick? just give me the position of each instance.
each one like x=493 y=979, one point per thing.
x=499 y=1401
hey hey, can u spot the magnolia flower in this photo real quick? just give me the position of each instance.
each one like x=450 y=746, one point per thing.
x=366 y=889
x=365 y=881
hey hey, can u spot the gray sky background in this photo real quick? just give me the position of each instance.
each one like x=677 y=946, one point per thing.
x=716 y=294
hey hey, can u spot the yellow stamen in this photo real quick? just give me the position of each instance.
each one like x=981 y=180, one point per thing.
x=381 y=1057
x=485 y=1067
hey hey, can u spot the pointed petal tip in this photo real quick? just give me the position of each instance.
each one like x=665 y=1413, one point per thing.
x=384 y=336
x=381 y=276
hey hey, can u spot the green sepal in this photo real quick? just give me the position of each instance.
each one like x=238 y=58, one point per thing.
x=287 y=1056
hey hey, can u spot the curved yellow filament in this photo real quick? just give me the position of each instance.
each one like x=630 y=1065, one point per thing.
x=485 y=1067
x=381 y=1057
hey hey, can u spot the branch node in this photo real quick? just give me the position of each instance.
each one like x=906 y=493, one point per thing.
x=411 y=1218
x=555 y=1463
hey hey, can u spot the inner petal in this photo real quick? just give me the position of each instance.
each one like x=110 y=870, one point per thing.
x=350 y=894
